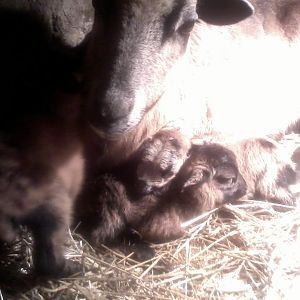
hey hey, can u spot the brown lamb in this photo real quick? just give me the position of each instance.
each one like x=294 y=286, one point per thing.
x=207 y=179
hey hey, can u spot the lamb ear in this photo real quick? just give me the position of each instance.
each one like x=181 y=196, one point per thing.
x=224 y=12
x=197 y=176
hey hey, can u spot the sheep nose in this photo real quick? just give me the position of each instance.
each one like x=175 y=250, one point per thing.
x=111 y=109
x=105 y=114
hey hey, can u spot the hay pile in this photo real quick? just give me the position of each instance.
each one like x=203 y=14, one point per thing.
x=246 y=251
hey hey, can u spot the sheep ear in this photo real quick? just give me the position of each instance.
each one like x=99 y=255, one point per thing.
x=224 y=12
x=197 y=176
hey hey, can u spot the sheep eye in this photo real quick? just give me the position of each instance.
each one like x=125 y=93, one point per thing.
x=186 y=27
x=181 y=20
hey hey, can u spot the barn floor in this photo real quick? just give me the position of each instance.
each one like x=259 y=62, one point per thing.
x=245 y=251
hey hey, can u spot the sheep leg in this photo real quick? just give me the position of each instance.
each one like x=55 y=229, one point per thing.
x=49 y=224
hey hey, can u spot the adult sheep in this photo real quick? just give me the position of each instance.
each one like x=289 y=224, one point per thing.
x=152 y=65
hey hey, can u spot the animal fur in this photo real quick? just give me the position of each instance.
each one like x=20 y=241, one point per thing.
x=41 y=168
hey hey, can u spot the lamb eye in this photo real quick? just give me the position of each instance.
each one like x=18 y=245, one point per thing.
x=225 y=180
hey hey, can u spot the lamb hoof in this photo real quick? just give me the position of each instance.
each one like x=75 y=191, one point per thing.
x=160 y=159
x=142 y=252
